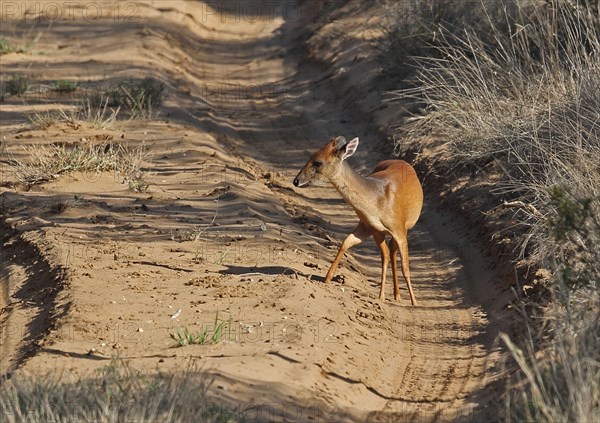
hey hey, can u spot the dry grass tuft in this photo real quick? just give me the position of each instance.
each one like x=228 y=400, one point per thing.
x=141 y=98
x=102 y=117
x=48 y=162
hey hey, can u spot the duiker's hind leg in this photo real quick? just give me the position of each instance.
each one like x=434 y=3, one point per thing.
x=393 y=256
x=402 y=241
x=379 y=238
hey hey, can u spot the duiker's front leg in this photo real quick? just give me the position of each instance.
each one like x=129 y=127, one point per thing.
x=358 y=235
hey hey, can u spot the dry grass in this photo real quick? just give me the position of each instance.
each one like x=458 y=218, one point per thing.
x=528 y=101
x=412 y=30
x=141 y=98
x=48 y=162
x=100 y=106
x=18 y=85
x=519 y=88
x=102 y=117
x=559 y=354
x=117 y=393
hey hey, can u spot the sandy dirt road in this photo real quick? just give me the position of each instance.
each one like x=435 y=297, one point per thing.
x=222 y=230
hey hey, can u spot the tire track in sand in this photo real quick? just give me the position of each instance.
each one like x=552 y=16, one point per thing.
x=441 y=353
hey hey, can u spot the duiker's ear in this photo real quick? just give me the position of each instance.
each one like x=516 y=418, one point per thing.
x=339 y=142
x=350 y=148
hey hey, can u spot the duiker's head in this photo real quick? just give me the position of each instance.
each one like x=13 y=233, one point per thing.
x=325 y=162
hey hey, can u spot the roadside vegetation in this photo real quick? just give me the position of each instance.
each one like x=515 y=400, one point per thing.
x=17 y=85
x=64 y=86
x=140 y=98
x=219 y=332
x=102 y=107
x=513 y=90
x=116 y=393
x=7 y=47
x=132 y=98
x=47 y=162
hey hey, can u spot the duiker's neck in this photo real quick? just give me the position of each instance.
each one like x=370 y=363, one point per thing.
x=357 y=190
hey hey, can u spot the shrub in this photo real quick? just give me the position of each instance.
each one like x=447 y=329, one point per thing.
x=17 y=85
x=5 y=46
x=64 y=86
x=141 y=98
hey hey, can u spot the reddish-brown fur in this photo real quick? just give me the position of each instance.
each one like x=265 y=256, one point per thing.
x=388 y=203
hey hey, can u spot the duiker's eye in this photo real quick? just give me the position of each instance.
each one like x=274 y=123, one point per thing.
x=317 y=163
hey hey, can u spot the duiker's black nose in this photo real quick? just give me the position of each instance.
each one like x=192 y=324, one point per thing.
x=296 y=182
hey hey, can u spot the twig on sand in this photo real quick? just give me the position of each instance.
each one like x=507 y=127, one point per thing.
x=295 y=272
x=200 y=232
x=521 y=204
